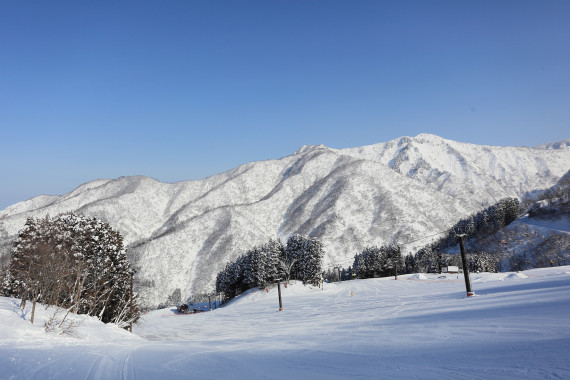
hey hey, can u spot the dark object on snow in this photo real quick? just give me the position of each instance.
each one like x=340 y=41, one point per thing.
x=185 y=309
x=182 y=308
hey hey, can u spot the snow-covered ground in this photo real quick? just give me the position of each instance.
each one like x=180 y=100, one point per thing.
x=559 y=224
x=421 y=326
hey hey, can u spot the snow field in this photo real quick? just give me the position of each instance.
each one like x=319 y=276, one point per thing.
x=420 y=326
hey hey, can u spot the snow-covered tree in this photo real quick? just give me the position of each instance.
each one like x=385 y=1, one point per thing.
x=482 y=262
x=311 y=262
x=427 y=260
x=307 y=255
x=254 y=271
x=300 y=259
x=92 y=274
x=273 y=253
x=294 y=252
x=379 y=262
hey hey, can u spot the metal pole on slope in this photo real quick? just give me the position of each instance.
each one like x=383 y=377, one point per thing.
x=396 y=270
x=465 y=268
x=396 y=263
x=279 y=292
x=131 y=306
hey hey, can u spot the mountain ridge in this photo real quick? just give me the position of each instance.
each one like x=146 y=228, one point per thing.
x=179 y=235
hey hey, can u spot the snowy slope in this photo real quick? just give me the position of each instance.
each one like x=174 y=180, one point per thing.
x=180 y=235
x=465 y=170
x=419 y=327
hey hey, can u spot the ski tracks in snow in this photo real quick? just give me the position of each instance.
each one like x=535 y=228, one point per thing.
x=109 y=365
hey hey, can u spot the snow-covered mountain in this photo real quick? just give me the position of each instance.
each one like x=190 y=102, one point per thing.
x=403 y=191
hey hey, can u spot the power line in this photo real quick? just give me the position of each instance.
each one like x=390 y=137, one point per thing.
x=425 y=237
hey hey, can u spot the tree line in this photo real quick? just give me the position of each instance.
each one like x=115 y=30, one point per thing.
x=431 y=258
x=378 y=262
x=387 y=260
x=73 y=262
x=485 y=222
x=300 y=259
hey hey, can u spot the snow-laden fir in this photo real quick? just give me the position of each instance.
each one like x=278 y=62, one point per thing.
x=180 y=235
x=421 y=326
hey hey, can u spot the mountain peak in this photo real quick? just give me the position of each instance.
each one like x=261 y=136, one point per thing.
x=429 y=137
x=310 y=148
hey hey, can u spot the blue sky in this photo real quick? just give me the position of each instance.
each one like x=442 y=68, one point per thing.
x=181 y=90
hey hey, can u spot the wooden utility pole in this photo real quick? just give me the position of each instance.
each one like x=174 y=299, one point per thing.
x=465 y=268
x=210 y=301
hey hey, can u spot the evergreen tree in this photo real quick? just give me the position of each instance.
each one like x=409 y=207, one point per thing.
x=262 y=265
x=294 y=252
x=378 y=262
x=393 y=261
x=254 y=270
x=273 y=252
x=92 y=275
x=410 y=263
x=312 y=261
x=426 y=260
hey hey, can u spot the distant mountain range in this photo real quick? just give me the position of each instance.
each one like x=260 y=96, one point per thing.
x=404 y=191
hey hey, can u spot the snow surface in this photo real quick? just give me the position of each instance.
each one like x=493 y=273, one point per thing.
x=516 y=327
x=558 y=224
x=404 y=191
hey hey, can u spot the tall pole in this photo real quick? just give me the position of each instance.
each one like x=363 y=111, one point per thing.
x=279 y=292
x=396 y=263
x=131 y=316
x=210 y=302
x=465 y=268
x=396 y=270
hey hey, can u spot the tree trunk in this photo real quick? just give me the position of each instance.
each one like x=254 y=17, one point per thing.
x=23 y=303
x=33 y=311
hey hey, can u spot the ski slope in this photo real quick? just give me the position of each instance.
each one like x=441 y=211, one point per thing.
x=421 y=326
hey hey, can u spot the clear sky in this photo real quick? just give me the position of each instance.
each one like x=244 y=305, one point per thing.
x=179 y=90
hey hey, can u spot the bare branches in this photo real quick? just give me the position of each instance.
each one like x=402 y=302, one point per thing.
x=61 y=325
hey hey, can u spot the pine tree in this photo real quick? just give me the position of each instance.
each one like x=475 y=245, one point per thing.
x=312 y=263
x=273 y=252
x=255 y=268
x=410 y=263
x=294 y=252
